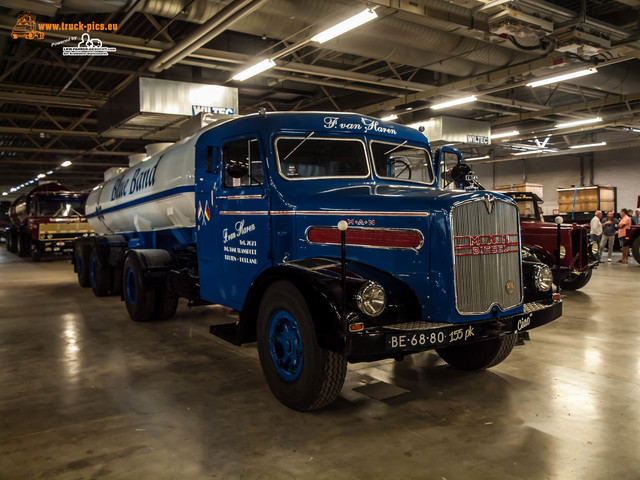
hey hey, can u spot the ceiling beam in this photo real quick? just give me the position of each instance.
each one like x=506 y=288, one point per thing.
x=64 y=151
x=573 y=107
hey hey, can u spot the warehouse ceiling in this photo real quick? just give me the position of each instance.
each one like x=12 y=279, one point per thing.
x=414 y=54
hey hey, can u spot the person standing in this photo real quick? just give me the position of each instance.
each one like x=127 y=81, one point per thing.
x=595 y=231
x=636 y=218
x=623 y=224
x=609 y=225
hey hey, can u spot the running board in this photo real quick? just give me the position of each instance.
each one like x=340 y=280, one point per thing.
x=227 y=331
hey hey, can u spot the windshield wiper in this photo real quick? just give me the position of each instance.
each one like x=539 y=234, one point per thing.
x=395 y=148
x=298 y=146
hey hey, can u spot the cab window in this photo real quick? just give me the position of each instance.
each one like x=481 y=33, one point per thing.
x=311 y=158
x=246 y=154
x=400 y=161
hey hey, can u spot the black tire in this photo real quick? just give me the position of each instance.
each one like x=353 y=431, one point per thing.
x=576 y=281
x=140 y=301
x=99 y=275
x=82 y=262
x=166 y=304
x=12 y=241
x=306 y=377
x=635 y=249
x=24 y=245
x=479 y=356
x=36 y=251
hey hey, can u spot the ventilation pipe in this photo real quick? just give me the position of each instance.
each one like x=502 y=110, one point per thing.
x=205 y=33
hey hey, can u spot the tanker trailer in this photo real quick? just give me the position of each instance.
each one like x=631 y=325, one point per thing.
x=46 y=221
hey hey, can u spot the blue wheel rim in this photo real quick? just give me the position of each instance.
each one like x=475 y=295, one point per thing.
x=93 y=272
x=130 y=286
x=79 y=266
x=285 y=345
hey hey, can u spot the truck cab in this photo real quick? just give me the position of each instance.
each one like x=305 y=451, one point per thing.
x=329 y=236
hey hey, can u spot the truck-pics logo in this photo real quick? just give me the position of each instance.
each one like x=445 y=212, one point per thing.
x=26 y=27
x=88 y=46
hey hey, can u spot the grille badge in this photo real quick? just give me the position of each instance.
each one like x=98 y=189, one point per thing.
x=510 y=287
x=488 y=202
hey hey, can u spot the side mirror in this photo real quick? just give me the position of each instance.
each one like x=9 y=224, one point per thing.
x=237 y=170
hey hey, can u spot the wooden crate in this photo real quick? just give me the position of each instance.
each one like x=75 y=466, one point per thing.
x=522 y=187
x=587 y=199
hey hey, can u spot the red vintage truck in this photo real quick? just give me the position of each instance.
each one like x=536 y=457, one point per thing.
x=46 y=221
x=577 y=253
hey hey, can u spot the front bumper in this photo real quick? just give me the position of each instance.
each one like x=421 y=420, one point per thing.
x=397 y=340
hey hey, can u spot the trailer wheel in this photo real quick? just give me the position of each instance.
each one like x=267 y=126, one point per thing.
x=300 y=374
x=99 y=275
x=576 y=281
x=479 y=356
x=166 y=304
x=82 y=263
x=139 y=300
x=36 y=251
x=23 y=245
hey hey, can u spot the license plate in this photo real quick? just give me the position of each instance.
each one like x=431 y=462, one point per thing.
x=432 y=338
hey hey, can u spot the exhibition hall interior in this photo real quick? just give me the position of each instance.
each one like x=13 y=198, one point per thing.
x=311 y=239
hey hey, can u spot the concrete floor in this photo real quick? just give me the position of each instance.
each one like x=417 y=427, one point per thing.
x=87 y=393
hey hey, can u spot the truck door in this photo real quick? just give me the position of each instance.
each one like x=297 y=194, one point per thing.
x=237 y=230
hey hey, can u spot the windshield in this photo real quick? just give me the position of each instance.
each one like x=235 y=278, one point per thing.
x=526 y=208
x=397 y=160
x=309 y=157
x=52 y=206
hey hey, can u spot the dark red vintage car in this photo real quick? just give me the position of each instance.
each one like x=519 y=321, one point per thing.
x=577 y=253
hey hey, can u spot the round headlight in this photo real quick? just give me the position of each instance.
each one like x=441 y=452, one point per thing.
x=543 y=278
x=563 y=252
x=595 y=248
x=371 y=299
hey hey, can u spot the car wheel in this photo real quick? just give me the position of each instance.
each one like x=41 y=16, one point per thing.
x=576 y=281
x=301 y=374
x=166 y=304
x=36 y=251
x=479 y=356
x=635 y=249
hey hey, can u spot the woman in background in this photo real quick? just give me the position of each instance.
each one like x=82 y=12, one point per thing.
x=623 y=224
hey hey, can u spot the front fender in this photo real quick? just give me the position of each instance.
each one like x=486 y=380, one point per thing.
x=319 y=280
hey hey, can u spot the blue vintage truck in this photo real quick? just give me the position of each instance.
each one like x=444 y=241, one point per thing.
x=329 y=236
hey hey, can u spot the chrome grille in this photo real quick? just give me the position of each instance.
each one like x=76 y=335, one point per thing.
x=486 y=255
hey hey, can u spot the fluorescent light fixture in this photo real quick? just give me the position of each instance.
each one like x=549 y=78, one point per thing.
x=388 y=118
x=4 y=193
x=254 y=70
x=477 y=158
x=50 y=172
x=529 y=152
x=66 y=163
x=458 y=101
x=562 y=78
x=578 y=122
x=42 y=175
x=505 y=134
x=635 y=130
x=587 y=145
x=343 y=27
x=13 y=189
